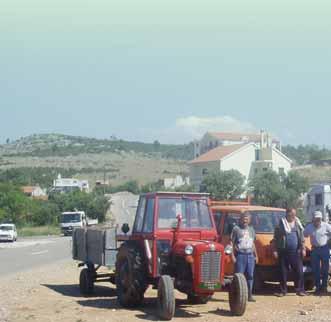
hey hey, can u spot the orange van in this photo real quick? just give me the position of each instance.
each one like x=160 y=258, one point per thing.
x=264 y=220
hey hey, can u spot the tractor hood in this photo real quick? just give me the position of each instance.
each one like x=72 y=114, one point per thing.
x=184 y=247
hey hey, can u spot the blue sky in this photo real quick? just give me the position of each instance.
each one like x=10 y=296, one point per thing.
x=167 y=70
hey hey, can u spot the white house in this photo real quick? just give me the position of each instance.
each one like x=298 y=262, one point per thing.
x=34 y=192
x=247 y=158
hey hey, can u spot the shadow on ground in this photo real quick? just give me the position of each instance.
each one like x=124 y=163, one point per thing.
x=105 y=298
x=72 y=290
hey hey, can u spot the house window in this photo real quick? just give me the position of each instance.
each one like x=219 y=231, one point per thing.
x=204 y=171
x=318 y=199
x=257 y=155
x=281 y=171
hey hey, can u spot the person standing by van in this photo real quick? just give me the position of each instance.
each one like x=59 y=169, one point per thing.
x=289 y=249
x=244 y=252
x=319 y=233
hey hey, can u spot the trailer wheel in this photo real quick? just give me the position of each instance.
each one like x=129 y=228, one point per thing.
x=196 y=299
x=238 y=294
x=130 y=275
x=86 y=282
x=166 y=298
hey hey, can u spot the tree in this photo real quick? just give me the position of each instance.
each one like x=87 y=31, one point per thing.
x=224 y=185
x=271 y=189
x=268 y=189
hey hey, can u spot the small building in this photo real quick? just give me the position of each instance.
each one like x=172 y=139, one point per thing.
x=248 y=158
x=178 y=181
x=34 y=192
x=64 y=185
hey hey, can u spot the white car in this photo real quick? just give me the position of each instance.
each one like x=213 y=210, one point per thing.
x=8 y=232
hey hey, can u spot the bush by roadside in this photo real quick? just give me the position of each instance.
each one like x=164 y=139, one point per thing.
x=29 y=231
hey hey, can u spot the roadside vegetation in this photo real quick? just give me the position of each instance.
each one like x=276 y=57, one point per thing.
x=26 y=212
x=29 y=231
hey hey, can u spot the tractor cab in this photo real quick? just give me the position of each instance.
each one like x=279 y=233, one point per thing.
x=173 y=244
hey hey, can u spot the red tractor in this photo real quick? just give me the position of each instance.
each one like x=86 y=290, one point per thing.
x=173 y=245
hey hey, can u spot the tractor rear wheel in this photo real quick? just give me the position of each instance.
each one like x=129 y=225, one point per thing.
x=196 y=299
x=86 y=282
x=130 y=275
x=238 y=294
x=166 y=298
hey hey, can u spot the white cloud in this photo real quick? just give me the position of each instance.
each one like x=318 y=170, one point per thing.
x=186 y=129
x=196 y=127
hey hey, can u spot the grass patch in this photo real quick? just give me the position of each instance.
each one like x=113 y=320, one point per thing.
x=38 y=231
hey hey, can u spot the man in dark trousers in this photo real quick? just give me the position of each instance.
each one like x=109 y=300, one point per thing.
x=289 y=249
x=319 y=233
x=244 y=252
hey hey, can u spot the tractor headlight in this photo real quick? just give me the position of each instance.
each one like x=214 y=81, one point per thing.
x=189 y=250
x=228 y=250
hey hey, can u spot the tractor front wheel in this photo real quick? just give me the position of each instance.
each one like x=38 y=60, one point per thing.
x=166 y=298
x=238 y=294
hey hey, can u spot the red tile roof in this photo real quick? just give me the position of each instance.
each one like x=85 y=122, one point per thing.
x=217 y=153
x=28 y=189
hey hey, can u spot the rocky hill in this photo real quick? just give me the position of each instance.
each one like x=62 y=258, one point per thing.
x=117 y=161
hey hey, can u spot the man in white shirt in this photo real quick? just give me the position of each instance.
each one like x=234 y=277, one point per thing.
x=319 y=233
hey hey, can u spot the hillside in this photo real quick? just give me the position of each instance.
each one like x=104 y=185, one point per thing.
x=117 y=161
x=46 y=145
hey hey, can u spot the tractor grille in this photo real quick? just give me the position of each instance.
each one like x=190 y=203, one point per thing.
x=210 y=267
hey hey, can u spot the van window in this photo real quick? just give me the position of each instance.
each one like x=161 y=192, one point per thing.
x=218 y=215
x=318 y=199
x=231 y=220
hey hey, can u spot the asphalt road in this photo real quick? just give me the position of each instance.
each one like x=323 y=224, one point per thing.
x=30 y=253
x=123 y=208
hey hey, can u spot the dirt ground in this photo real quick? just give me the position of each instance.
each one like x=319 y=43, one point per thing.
x=51 y=293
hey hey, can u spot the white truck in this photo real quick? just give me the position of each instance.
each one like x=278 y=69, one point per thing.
x=318 y=198
x=70 y=220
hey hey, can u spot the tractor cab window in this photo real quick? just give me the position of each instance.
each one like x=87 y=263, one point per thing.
x=138 y=224
x=149 y=216
x=194 y=213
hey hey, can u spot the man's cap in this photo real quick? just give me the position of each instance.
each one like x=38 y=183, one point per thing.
x=317 y=214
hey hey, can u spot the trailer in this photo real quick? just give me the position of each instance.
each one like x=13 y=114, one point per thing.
x=94 y=248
